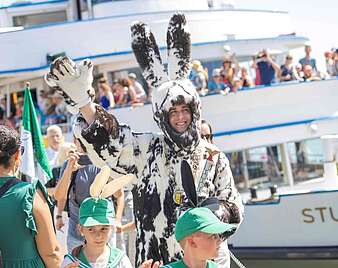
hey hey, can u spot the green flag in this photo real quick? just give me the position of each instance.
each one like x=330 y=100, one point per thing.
x=34 y=162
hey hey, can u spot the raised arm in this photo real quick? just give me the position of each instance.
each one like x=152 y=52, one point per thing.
x=61 y=188
x=88 y=112
x=106 y=141
x=274 y=65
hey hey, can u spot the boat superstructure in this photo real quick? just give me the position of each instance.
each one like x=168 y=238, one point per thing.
x=103 y=35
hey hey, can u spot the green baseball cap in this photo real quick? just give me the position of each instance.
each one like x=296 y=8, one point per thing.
x=96 y=211
x=200 y=219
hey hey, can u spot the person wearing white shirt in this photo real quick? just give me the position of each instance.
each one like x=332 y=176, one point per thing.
x=138 y=88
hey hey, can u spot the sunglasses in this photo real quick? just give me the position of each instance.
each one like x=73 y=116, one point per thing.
x=206 y=136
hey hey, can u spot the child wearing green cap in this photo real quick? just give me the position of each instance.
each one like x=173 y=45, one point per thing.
x=96 y=224
x=200 y=233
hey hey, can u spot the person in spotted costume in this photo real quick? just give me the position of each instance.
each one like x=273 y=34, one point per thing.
x=154 y=158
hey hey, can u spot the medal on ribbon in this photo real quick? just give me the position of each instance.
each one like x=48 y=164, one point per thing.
x=178 y=197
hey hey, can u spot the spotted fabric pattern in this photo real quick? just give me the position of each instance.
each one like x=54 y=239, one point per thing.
x=178 y=44
x=147 y=54
x=157 y=170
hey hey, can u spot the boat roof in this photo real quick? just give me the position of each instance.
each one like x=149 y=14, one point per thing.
x=16 y=4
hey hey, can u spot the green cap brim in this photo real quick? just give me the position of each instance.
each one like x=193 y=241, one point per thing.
x=93 y=221
x=219 y=228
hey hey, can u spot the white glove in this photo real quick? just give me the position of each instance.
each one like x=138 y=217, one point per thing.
x=72 y=81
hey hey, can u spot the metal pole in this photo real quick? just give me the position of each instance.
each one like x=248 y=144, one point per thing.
x=329 y=143
x=8 y=102
x=286 y=164
x=245 y=170
x=78 y=10
x=90 y=9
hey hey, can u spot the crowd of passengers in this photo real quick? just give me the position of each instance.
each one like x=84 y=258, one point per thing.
x=231 y=77
x=228 y=78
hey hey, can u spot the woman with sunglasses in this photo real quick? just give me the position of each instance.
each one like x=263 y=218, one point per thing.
x=27 y=238
x=206 y=132
x=288 y=71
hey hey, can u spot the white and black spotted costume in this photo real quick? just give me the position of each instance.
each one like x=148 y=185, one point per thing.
x=155 y=159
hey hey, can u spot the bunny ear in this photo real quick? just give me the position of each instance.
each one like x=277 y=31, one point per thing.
x=188 y=182
x=116 y=184
x=147 y=54
x=179 y=47
x=100 y=181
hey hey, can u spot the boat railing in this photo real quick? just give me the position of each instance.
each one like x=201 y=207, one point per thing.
x=67 y=125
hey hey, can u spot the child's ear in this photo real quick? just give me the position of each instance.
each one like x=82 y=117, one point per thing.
x=80 y=229
x=191 y=242
x=17 y=155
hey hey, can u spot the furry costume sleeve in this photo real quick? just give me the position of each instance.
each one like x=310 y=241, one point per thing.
x=110 y=143
x=226 y=191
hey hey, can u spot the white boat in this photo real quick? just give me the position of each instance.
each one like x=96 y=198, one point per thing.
x=301 y=220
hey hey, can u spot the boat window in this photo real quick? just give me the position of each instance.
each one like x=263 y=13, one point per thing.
x=263 y=166
x=39 y=19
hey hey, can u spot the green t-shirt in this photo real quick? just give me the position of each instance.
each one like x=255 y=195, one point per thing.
x=181 y=264
x=115 y=257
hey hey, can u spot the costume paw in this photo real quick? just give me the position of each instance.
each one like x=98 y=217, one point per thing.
x=72 y=81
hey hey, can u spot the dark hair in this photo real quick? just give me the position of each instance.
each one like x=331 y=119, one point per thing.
x=9 y=144
x=82 y=146
x=205 y=122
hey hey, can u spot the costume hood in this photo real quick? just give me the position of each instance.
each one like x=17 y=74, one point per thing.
x=172 y=88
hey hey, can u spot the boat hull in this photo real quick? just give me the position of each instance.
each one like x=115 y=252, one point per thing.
x=302 y=225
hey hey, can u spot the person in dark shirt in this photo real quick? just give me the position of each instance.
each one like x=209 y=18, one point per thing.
x=268 y=69
x=288 y=71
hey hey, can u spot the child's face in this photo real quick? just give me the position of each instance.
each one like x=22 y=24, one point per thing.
x=98 y=235
x=206 y=245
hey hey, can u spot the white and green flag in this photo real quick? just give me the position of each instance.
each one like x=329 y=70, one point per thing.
x=34 y=161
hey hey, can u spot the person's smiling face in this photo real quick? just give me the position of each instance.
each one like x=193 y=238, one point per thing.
x=180 y=117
